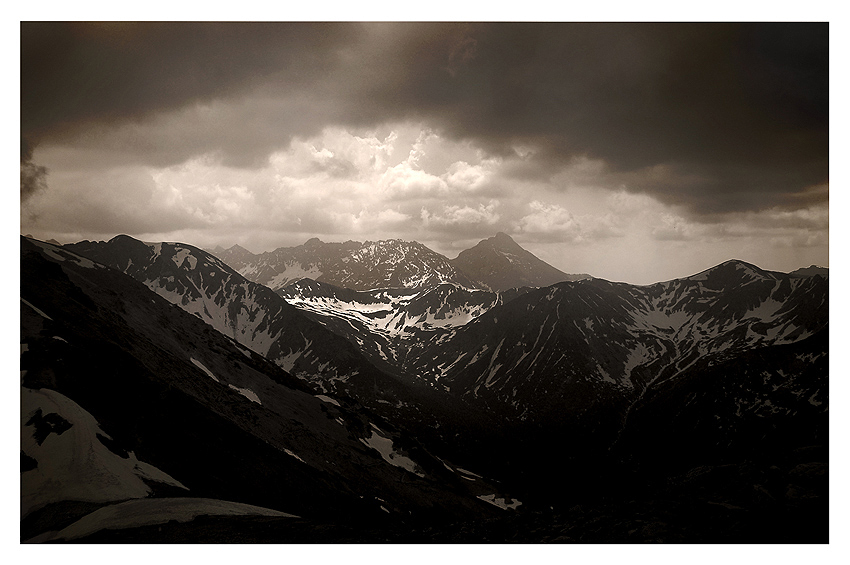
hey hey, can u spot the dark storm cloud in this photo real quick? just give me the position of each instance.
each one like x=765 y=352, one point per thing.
x=743 y=108
x=73 y=74
x=735 y=116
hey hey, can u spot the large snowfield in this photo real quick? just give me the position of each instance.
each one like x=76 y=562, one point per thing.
x=73 y=464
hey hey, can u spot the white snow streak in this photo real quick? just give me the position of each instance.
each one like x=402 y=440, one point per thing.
x=201 y=366
x=37 y=311
x=327 y=399
x=288 y=452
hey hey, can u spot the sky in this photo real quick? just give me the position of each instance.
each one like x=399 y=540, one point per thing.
x=632 y=152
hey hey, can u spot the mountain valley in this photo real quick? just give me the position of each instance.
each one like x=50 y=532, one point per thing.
x=380 y=392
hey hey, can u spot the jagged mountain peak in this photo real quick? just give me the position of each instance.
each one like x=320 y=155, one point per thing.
x=387 y=263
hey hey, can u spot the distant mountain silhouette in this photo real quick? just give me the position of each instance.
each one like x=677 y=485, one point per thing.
x=498 y=263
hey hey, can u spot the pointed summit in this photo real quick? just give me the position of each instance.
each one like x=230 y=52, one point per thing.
x=502 y=239
x=234 y=256
x=500 y=263
x=504 y=242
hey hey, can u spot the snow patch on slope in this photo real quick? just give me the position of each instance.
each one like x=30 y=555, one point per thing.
x=384 y=446
x=502 y=502
x=74 y=464
x=327 y=399
x=182 y=255
x=247 y=393
x=292 y=272
x=389 y=314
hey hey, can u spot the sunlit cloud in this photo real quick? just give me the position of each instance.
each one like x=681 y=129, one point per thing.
x=462 y=216
x=552 y=222
x=403 y=182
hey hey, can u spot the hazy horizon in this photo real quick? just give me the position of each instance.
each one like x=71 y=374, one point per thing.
x=450 y=256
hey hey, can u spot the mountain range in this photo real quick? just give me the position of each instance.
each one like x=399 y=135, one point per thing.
x=496 y=264
x=379 y=391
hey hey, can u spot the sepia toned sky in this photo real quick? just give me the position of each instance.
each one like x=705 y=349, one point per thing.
x=633 y=152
